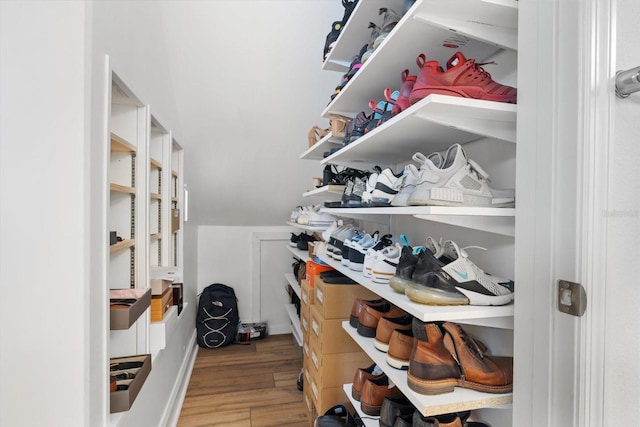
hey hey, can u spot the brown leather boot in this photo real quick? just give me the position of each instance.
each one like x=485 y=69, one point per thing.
x=371 y=315
x=359 y=304
x=432 y=368
x=400 y=346
x=385 y=328
x=361 y=376
x=491 y=374
x=373 y=393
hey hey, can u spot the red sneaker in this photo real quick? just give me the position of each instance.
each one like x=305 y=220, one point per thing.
x=463 y=77
x=405 y=91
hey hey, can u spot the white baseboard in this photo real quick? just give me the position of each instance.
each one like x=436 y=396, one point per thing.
x=172 y=414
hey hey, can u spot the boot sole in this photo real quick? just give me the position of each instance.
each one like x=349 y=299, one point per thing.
x=434 y=387
x=429 y=296
x=431 y=387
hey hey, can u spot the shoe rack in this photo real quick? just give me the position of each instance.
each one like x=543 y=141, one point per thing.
x=144 y=179
x=480 y=29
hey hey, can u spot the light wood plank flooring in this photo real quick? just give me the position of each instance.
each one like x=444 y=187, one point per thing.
x=246 y=386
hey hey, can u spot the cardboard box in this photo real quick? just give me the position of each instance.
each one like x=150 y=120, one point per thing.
x=122 y=400
x=334 y=301
x=158 y=286
x=305 y=322
x=160 y=304
x=306 y=292
x=122 y=317
x=331 y=370
x=327 y=397
x=169 y=273
x=329 y=335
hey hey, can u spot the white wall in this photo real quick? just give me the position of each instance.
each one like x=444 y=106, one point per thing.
x=43 y=216
x=228 y=255
x=622 y=349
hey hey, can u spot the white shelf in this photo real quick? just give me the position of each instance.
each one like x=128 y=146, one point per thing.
x=295 y=322
x=307 y=227
x=432 y=124
x=493 y=316
x=356 y=33
x=317 y=150
x=492 y=21
x=368 y=420
x=461 y=399
x=303 y=255
x=492 y=220
x=327 y=192
x=291 y=279
x=160 y=332
x=409 y=38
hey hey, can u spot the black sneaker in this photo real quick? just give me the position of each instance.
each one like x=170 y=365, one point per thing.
x=330 y=41
x=356 y=128
x=406 y=266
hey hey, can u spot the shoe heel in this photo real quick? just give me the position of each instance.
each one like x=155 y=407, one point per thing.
x=431 y=388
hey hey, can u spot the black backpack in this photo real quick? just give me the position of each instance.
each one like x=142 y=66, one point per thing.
x=217 y=317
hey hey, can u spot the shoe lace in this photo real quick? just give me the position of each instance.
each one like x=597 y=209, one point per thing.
x=475 y=169
x=480 y=72
x=475 y=345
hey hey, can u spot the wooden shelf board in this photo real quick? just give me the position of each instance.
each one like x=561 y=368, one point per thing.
x=118 y=143
x=127 y=243
x=174 y=173
x=156 y=164
x=155 y=196
x=122 y=189
x=155 y=236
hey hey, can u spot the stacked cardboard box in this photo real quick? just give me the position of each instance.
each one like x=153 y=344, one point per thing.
x=330 y=356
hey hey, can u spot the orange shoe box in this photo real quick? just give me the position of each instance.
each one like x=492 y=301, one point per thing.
x=160 y=304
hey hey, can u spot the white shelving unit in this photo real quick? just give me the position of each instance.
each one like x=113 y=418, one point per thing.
x=432 y=124
x=493 y=220
x=461 y=399
x=480 y=29
x=410 y=37
x=291 y=279
x=317 y=150
x=327 y=192
x=497 y=317
x=368 y=420
x=143 y=161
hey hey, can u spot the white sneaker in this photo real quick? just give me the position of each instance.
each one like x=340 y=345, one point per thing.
x=385 y=264
x=387 y=186
x=459 y=182
x=359 y=250
x=372 y=253
x=481 y=288
x=320 y=219
x=370 y=186
x=411 y=174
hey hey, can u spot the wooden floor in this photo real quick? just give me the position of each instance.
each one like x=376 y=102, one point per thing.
x=246 y=385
